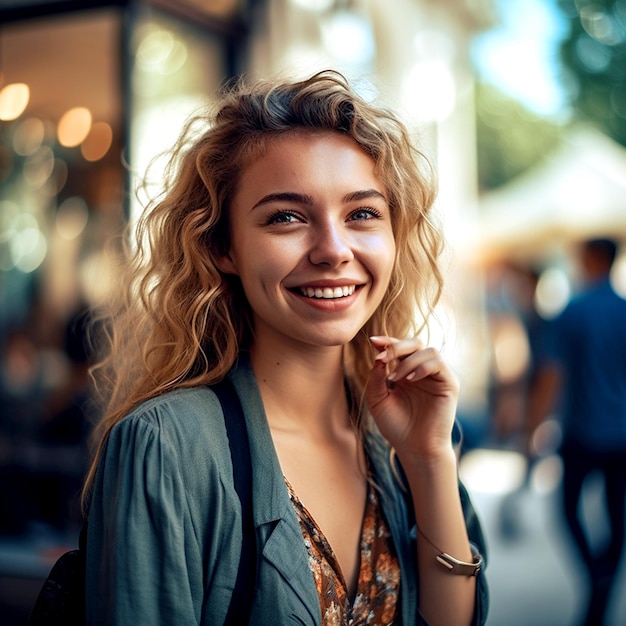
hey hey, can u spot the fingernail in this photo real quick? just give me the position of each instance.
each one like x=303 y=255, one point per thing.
x=392 y=376
x=381 y=356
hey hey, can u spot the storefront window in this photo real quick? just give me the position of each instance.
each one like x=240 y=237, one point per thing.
x=61 y=199
x=86 y=100
x=177 y=70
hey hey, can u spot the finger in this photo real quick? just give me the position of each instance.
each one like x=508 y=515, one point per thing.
x=382 y=344
x=383 y=340
x=434 y=369
x=419 y=364
x=391 y=348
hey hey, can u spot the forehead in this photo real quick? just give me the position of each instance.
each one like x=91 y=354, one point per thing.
x=304 y=151
x=258 y=147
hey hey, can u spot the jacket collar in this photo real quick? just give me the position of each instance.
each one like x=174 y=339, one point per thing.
x=277 y=527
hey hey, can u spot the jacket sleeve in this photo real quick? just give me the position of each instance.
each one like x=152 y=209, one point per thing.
x=476 y=537
x=142 y=566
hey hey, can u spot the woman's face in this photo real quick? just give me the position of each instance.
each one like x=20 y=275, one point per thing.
x=311 y=239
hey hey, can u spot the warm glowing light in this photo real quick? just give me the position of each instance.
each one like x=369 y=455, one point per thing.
x=74 y=126
x=97 y=142
x=13 y=101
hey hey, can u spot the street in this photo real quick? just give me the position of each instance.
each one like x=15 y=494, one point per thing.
x=532 y=571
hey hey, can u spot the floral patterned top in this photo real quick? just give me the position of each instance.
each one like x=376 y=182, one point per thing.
x=376 y=600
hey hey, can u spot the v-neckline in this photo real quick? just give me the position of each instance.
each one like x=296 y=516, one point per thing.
x=329 y=553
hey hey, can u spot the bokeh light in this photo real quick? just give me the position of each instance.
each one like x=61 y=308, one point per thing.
x=74 y=126
x=161 y=52
x=72 y=217
x=97 y=142
x=28 y=136
x=38 y=167
x=553 y=291
x=13 y=100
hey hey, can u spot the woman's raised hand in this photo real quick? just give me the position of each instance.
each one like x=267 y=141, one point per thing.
x=412 y=395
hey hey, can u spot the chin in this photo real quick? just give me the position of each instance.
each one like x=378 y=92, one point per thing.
x=334 y=340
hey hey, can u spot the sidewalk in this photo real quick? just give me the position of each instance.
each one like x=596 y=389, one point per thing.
x=532 y=572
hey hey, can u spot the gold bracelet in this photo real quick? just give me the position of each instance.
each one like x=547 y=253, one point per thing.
x=454 y=566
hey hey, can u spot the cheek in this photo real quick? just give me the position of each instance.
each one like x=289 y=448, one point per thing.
x=382 y=254
x=261 y=268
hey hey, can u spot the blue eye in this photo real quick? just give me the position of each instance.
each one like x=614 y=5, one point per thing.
x=281 y=217
x=365 y=214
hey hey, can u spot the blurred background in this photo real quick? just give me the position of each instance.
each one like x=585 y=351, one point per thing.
x=521 y=106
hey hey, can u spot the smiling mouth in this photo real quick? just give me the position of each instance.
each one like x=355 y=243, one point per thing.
x=327 y=293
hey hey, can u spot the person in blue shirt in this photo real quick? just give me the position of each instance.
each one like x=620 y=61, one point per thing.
x=293 y=252
x=588 y=376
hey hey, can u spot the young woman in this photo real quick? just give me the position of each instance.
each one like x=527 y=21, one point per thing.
x=292 y=253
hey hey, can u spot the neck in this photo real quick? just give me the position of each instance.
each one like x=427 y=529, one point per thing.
x=302 y=389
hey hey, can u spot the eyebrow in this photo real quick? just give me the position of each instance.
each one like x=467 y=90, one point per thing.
x=285 y=196
x=365 y=194
x=307 y=200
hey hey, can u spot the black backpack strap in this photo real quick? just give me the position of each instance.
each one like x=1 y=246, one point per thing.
x=241 y=600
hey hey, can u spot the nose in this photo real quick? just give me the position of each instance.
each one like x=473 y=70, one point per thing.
x=330 y=245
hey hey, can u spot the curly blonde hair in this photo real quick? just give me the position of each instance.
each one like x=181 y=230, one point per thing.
x=178 y=321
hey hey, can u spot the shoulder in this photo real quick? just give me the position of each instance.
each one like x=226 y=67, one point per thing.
x=179 y=420
x=181 y=405
x=587 y=305
x=173 y=448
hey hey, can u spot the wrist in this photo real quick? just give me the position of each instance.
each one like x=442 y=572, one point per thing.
x=431 y=458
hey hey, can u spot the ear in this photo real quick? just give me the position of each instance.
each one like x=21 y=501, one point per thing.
x=225 y=263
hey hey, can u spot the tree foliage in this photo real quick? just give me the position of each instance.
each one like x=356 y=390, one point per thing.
x=510 y=139
x=593 y=54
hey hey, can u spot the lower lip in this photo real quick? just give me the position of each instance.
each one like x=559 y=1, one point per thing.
x=332 y=305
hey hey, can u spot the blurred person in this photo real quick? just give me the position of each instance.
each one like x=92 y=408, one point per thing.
x=517 y=325
x=518 y=336
x=587 y=373
x=289 y=253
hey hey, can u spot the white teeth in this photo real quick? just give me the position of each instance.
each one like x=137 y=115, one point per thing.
x=327 y=293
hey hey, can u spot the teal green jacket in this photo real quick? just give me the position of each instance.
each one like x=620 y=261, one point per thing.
x=164 y=532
